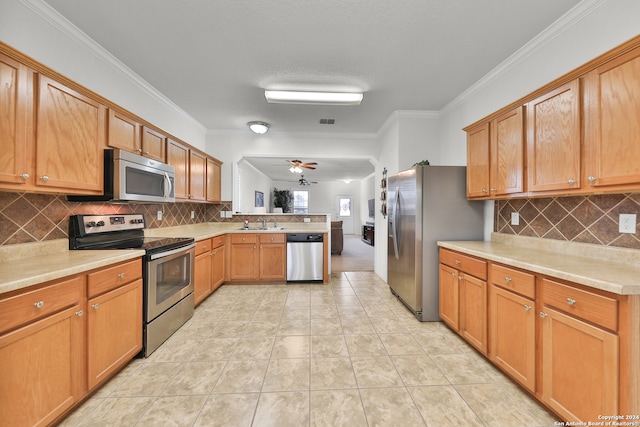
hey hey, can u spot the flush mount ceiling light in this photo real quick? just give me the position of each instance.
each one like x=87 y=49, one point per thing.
x=313 y=98
x=258 y=127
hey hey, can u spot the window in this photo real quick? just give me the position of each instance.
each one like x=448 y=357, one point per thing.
x=345 y=207
x=300 y=201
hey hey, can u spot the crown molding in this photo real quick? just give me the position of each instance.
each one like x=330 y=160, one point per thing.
x=75 y=34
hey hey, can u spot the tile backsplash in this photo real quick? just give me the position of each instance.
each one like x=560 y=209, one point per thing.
x=586 y=219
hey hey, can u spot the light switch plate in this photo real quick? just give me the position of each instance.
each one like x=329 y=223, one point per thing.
x=627 y=223
x=515 y=218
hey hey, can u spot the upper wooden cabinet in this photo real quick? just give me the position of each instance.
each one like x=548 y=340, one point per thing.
x=70 y=128
x=553 y=139
x=213 y=180
x=178 y=157
x=197 y=176
x=495 y=159
x=612 y=128
x=124 y=132
x=153 y=144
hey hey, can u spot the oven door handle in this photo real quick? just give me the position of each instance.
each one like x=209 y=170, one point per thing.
x=172 y=252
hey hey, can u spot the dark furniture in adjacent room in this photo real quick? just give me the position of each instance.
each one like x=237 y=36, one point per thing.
x=337 y=239
x=368 y=232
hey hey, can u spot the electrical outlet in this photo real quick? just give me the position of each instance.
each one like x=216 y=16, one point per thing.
x=159 y=215
x=515 y=218
x=627 y=223
x=307 y=220
x=193 y=214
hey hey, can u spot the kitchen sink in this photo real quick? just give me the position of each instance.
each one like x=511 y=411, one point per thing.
x=262 y=228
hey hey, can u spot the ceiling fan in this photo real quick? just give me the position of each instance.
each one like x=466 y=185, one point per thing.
x=304 y=182
x=298 y=165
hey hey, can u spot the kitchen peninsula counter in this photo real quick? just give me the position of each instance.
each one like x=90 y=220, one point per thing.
x=207 y=230
x=615 y=270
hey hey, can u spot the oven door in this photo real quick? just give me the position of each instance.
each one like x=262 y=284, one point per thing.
x=168 y=280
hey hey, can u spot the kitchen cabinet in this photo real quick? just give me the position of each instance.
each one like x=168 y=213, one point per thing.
x=178 y=157
x=42 y=352
x=470 y=305
x=219 y=262
x=244 y=258
x=553 y=139
x=273 y=256
x=495 y=156
x=576 y=322
x=114 y=319
x=512 y=323
x=202 y=266
x=612 y=137
x=124 y=132
x=197 y=176
x=16 y=123
x=153 y=144
x=214 y=180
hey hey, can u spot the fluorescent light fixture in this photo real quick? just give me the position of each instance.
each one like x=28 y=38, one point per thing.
x=258 y=127
x=317 y=98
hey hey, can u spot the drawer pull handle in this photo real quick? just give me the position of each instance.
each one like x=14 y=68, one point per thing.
x=457 y=262
x=527 y=307
x=571 y=301
x=39 y=304
x=79 y=313
x=121 y=275
x=543 y=314
x=507 y=279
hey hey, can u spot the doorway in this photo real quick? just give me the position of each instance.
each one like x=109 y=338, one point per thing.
x=344 y=213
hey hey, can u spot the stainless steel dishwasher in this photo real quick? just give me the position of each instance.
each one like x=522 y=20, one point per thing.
x=305 y=261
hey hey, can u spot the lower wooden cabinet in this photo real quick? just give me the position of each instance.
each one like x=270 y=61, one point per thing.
x=273 y=257
x=473 y=311
x=202 y=271
x=218 y=263
x=449 y=296
x=258 y=257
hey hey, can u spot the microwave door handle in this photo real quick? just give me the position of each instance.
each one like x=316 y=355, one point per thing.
x=167 y=186
x=396 y=209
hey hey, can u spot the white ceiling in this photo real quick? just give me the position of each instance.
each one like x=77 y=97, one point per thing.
x=214 y=58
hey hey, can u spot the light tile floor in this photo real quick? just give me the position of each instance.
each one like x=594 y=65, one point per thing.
x=344 y=354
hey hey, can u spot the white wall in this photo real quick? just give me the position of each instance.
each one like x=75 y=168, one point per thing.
x=249 y=181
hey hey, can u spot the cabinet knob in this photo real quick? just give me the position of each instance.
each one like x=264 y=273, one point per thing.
x=204 y=247
x=493 y=190
x=591 y=179
x=25 y=176
x=508 y=279
x=460 y=278
x=95 y=306
x=121 y=275
x=457 y=261
x=527 y=307
x=139 y=150
x=79 y=313
x=453 y=274
x=571 y=181
x=543 y=314
x=571 y=301
x=146 y=152
x=39 y=304
x=44 y=178
x=484 y=190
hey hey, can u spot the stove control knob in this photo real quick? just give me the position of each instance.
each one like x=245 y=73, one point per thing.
x=133 y=221
x=91 y=224
x=100 y=224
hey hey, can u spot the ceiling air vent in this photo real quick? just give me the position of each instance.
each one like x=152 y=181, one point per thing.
x=327 y=121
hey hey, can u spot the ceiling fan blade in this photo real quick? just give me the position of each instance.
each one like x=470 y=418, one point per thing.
x=311 y=163
x=306 y=166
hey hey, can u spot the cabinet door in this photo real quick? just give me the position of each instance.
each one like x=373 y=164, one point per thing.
x=197 y=176
x=114 y=324
x=273 y=261
x=214 y=193
x=553 y=139
x=124 y=132
x=478 y=162
x=178 y=157
x=16 y=123
x=579 y=367
x=612 y=138
x=153 y=144
x=70 y=139
x=244 y=261
x=218 y=267
x=507 y=153
x=473 y=310
x=42 y=369
x=449 y=296
x=512 y=335
x=202 y=277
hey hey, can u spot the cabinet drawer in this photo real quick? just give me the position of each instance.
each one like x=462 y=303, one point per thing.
x=470 y=265
x=32 y=305
x=216 y=242
x=272 y=238
x=516 y=281
x=244 y=238
x=591 y=307
x=109 y=278
x=203 y=246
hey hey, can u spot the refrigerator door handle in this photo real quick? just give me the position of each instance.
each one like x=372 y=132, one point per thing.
x=396 y=219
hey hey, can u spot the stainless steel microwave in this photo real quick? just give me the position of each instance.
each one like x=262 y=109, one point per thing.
x=129 y=177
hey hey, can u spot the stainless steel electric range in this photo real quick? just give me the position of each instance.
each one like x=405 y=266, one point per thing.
x=168 y=269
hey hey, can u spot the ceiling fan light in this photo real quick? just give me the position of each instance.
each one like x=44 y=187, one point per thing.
x=259 y=128
x=295 y=169
x=313 y=98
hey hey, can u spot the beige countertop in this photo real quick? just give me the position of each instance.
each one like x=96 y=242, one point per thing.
x=609 y=269
x=29 y=264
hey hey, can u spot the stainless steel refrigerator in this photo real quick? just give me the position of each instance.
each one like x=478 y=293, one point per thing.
x=426 y=204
